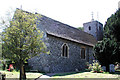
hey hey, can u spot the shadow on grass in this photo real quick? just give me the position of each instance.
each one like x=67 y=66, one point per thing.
x=43 y=73
x=66 y=73
x=116 y=72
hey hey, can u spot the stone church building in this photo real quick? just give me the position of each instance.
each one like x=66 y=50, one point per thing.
x=69 y=47
x=94 y=28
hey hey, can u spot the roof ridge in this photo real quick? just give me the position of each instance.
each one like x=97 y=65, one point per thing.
x=67 y=25
x=65 y=30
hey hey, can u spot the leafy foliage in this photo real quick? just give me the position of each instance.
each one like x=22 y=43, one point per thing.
x=112 y=30
x=0 y=50
x=112 y=26
x=81 y=28
x=95 y=67
x=22 y=39
x=107 y=51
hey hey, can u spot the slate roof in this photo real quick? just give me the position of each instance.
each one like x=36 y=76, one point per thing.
x=62 y=30
x=65 y=31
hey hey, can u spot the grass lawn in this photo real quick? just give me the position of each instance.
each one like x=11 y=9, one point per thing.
x=16 y=74
x=64 y=75
x=86 y=75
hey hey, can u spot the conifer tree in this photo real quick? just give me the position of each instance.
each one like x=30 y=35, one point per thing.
x=108 y=50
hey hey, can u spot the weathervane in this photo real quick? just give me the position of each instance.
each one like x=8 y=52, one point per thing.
x=118 y=4
x=97 y=16
x=92 y=17
x=21 y=7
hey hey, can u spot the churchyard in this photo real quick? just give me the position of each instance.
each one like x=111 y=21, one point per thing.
x=93 y=73
x=65 y=75
x=86 y=75
x=95 y=70
x=16 y=74
x=67 y=49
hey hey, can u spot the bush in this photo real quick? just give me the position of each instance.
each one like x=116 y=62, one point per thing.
x=95 y=67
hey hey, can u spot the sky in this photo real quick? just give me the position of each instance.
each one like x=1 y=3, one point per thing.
x=71 y=12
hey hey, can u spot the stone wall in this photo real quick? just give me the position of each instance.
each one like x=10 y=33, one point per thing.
x=55 y=62
x=96 y=29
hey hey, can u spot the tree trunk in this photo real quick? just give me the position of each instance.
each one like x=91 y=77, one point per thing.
x=22 y=71
x=107 y=68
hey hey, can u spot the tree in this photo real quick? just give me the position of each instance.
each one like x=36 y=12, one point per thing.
x=112 y=26
x=81 y=28
x=112 y=30
x=22 y=39
x=0 y=50
x=105 y=52
x=108 y=50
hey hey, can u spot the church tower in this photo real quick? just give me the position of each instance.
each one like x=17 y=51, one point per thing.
x=94 y=28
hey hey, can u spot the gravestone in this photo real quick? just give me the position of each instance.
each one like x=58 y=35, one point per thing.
x=112 y=68
x=76 y=70
x=104 y=68
x=118 y=65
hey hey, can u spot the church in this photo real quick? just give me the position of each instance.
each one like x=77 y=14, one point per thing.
x=70 y=48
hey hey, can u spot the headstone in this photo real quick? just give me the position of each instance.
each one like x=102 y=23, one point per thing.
x=104 y=68
x=76 y=70
x=118 y=65
x=112 y=68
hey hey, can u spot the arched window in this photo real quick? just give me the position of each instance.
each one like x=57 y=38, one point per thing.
x=99 y=28
x=82 y=53
x=65 y=50
x=89 y=27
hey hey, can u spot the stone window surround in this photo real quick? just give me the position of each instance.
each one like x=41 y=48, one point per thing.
x=85 y=52
x=62 y=50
